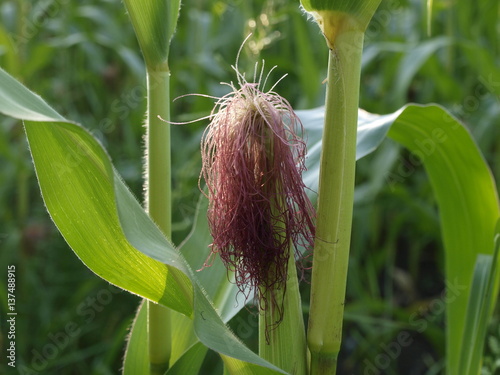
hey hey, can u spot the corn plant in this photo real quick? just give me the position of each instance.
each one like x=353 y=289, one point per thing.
x=185 y=312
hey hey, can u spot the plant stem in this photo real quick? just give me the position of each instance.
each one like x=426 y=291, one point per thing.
x=287 y=342
x=335 y=202
x=158 y=202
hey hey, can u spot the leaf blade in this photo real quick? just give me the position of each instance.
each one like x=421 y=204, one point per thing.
x=136 y=359
x=74 y=176
x=466 y=196
x=462 y=182
x=86 y=198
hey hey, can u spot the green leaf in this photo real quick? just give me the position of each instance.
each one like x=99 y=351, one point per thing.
x=494 y=345
x=481 y=59
x=77 y=183
x=108 y=229
x=234 y=366
x=154 y=24
x=190 y=362
x=480 y=305
x=87 y=200
x=18 y=102
x=467 y=200
x=136 y=359
x=215 y=280
x=474 y=322
x=372 y=130
x=412 y=63
x=463 y=186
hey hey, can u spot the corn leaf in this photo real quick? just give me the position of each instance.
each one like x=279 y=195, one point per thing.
x=372 y=130
x=480 y=306
x=463 y=186
x=105 y=225
x=136 y=359
x=216 y=282
x=110 y=232
x=190 y=362
x=467 y=200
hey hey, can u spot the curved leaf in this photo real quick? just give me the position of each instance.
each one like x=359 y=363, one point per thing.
x=463 y=185
x=190 y=362
x=412 y=63
x=108 y=229
x=77 y=184
x=236 y=367
x=467 y=199
x=18 y=102
x=83 y=209
x=215 y=279
x=372 y=130
x=215 y=282
x=136 y=360
x=208 y=325
x=106 y=226
x=479 y=307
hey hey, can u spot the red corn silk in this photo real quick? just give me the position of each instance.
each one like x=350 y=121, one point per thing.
x=253 y=159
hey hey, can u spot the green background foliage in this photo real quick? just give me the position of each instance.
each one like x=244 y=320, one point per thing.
x=85 y=61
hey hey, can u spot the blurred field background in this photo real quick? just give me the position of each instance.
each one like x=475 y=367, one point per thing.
x=84 y=60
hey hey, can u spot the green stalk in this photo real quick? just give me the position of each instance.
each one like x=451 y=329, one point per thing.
x=336 y=195
x=287 y=342
x=154 y=23
x=158 y=202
